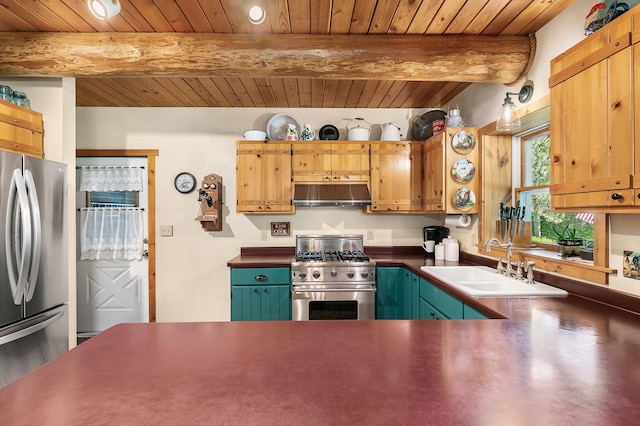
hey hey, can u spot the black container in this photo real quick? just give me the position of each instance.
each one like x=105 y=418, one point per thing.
x=328 y=133
x=435 y=233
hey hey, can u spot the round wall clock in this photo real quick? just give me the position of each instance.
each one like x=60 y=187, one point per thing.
x=185 y=182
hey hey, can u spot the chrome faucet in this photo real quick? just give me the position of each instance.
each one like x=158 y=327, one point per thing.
x=530 y=271
x=508 y=270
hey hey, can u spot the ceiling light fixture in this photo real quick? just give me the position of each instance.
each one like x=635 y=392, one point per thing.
x=256 y=15
x=104 y=9
x=508 y=117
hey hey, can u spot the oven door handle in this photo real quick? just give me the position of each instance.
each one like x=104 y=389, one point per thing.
x=335 y=290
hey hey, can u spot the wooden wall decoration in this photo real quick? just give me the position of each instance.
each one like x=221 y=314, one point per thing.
x=210 y=199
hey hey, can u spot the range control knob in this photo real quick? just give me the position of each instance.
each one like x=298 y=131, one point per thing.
x=333 y=272
x=316 y=274
x=350 y=274
x=364 y=274
x=302 y=274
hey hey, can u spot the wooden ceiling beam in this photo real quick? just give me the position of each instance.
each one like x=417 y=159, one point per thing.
x=461 y=58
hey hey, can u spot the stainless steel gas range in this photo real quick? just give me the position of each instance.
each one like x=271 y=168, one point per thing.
x=332 y=279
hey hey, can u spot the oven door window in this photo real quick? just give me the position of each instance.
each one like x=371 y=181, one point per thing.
x=333 y=310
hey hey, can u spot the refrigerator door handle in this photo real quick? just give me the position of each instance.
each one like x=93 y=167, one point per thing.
x=36 y=246
x=18 y=259
x=27 y=328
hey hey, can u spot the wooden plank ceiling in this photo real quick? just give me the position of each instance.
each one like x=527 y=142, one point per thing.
x=309 y=17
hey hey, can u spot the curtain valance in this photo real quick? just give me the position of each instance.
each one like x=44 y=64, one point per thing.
x=110 y=178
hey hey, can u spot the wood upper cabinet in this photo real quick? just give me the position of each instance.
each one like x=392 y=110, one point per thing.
x=396 y=173
x=21 y=130
x=592 y=121
x=433 y=175
x=263 y=177
x=450 y=172
x=330 y=162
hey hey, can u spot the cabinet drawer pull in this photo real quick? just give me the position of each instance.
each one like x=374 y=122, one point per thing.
x=261 y=278
x=616 y=196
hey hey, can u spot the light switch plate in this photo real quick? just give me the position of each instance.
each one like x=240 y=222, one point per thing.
x=166 y=230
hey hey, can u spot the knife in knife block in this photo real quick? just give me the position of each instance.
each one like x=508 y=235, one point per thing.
x=522 y=241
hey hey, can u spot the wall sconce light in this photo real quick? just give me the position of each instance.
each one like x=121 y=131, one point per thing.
x=508 y=117
x=104 y=9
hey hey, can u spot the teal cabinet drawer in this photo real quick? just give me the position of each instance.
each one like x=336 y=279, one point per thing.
x=441 y=300
x=427 y=290
x=428 y=312
x=470 y=313
x=260 y=276
x=448 y=305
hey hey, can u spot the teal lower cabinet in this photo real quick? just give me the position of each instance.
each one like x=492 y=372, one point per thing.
x=396 y=293
x=446 y=305
x=428 y=312
x=260 y=294
x=414 y=299
x=401 y=294
x=470 y=313
x=389 y=286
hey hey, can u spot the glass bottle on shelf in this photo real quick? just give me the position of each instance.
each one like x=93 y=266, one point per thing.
x=20 y=98
x=6 y=94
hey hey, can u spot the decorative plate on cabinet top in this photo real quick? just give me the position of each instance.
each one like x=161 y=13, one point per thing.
x=463 y=171
x=278 y=126
x=463 y=142
x=464 y=199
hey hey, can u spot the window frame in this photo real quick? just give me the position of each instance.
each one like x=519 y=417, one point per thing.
x=496 y=151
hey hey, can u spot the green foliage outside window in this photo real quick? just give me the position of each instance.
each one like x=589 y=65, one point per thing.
x=537 y=173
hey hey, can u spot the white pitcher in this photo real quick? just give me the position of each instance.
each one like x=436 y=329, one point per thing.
x=390 y=132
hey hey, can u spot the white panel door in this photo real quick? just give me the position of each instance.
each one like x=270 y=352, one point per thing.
x=111 y=292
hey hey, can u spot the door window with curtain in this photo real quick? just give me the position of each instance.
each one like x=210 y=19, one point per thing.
x=112 y=226
x=533 y=191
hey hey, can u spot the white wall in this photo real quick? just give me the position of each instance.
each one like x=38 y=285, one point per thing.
x=192 y=277
x=480 y=104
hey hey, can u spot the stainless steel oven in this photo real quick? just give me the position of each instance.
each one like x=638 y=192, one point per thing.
x=332 y=279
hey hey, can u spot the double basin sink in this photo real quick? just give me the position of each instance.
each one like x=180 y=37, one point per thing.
x=482 y=281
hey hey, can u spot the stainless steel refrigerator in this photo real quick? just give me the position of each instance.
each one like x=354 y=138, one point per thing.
x=34 y=322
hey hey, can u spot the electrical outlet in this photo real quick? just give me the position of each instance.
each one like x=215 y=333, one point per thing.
x=263 y=235
x=369 y=234
x=166 y=230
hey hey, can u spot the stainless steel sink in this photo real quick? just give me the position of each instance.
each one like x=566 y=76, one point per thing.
x=482 y=281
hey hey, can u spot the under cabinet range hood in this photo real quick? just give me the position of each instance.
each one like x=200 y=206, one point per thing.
x=317 y=195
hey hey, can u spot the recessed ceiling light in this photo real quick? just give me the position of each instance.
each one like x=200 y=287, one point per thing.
x=103 y=9
x=256 y=15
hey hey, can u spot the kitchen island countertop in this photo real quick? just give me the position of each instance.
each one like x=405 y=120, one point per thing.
x=485 y=372
x=551 y=360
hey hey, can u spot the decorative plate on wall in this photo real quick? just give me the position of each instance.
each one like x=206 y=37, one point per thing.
x=464 y=199
x=463 y=142
x=463 y=171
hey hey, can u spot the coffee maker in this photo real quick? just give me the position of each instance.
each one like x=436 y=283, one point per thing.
x=435 y=233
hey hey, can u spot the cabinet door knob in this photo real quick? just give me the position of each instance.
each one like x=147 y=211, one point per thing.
x=616 y=196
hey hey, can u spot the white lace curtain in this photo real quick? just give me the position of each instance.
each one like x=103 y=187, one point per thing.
x=110 y=178
x=111 y=233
